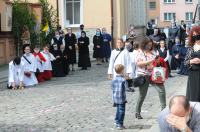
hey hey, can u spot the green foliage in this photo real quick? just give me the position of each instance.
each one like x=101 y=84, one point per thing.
x=49 y=15
x=21 y=15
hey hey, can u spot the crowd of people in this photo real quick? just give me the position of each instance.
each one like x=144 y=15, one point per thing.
x=135 y=62
x=146 y=61
x=58 y=58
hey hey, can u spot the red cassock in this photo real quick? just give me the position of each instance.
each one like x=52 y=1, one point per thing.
x=43 y=74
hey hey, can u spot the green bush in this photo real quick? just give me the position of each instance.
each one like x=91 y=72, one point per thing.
x=49 y=15
x=21 y=15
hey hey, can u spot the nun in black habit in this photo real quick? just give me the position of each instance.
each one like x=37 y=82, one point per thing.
x=64 y=59
x=98 y=46
x=57 y=67
x=84 y=56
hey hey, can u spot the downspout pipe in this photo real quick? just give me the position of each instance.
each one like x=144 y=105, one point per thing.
x=57 y=13
x=112 y=23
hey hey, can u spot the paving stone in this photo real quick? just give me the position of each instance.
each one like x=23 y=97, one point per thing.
x=80 y=102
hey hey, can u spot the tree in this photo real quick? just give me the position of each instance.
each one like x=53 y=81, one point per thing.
x=49 y=17
x=21 y=16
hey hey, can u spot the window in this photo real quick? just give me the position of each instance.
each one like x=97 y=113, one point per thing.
x=188 y=1
x=188 y=16
x=73 y=12
x=152 y=5
x=169 y=1
x=169 y=16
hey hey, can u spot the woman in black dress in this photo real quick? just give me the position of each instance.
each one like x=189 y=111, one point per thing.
x=84 y=57
x=70 y=45
x=64 y=59
x=98 y=46
x=192 y=60
x=58 y=70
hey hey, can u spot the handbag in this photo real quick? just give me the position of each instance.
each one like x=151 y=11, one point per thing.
x=139 y=81
x=158 y=75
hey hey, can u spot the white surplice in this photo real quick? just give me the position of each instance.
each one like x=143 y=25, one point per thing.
x=39 y=64
x=32 y=80
x=16 y=73
x=47 y=64
x=123 y=58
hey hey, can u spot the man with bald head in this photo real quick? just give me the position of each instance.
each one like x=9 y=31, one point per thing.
x=180 y=116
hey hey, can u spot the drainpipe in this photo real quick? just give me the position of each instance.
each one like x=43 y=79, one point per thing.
x=112 y=23
x=57 y=13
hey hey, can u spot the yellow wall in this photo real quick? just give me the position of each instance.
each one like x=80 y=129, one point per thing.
x=97 y=14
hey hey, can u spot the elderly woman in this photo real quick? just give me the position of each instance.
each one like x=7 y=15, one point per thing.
x=192 y=60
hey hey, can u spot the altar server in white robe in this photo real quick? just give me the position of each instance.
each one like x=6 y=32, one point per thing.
x=16 y=74
x=119 y=56
x=47 y=67
x=29 y=68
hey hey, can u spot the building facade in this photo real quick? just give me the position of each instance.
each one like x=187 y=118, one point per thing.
x=178 y=10
x=153 y=11
x=114 y=15
x=165 y=11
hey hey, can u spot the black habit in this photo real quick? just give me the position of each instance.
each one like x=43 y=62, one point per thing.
x=98 y=41
x=70 y=41
x=84 y=57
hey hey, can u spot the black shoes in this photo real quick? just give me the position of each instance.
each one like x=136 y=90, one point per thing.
x=138 y=116
x=170 y=76
x=130 y=90
x=84 y=68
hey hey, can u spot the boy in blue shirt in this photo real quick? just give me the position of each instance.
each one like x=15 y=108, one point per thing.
x=119 y=86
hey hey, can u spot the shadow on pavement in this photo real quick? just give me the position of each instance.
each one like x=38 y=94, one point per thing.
x=139 y=127
x=28 y=128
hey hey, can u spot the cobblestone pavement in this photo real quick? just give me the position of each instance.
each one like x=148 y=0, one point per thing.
x=80 y=102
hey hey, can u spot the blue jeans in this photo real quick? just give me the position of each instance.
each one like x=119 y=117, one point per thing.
x=119 y=119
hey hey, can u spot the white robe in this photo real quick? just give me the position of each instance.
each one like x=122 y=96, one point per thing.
x=133 y=64
x=39 y=64
x=47 y=64
x=32 y=80
x=16 y=73
x=123 y=58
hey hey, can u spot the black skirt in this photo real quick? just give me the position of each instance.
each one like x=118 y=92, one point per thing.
x=193 y=86
x=84 y=60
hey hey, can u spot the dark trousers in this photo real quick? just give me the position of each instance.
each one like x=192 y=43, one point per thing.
x=170 y=45
x=142 y=94
x=168 y=67
x=119 y=119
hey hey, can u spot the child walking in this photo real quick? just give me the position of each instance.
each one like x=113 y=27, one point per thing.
x=119 y=86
